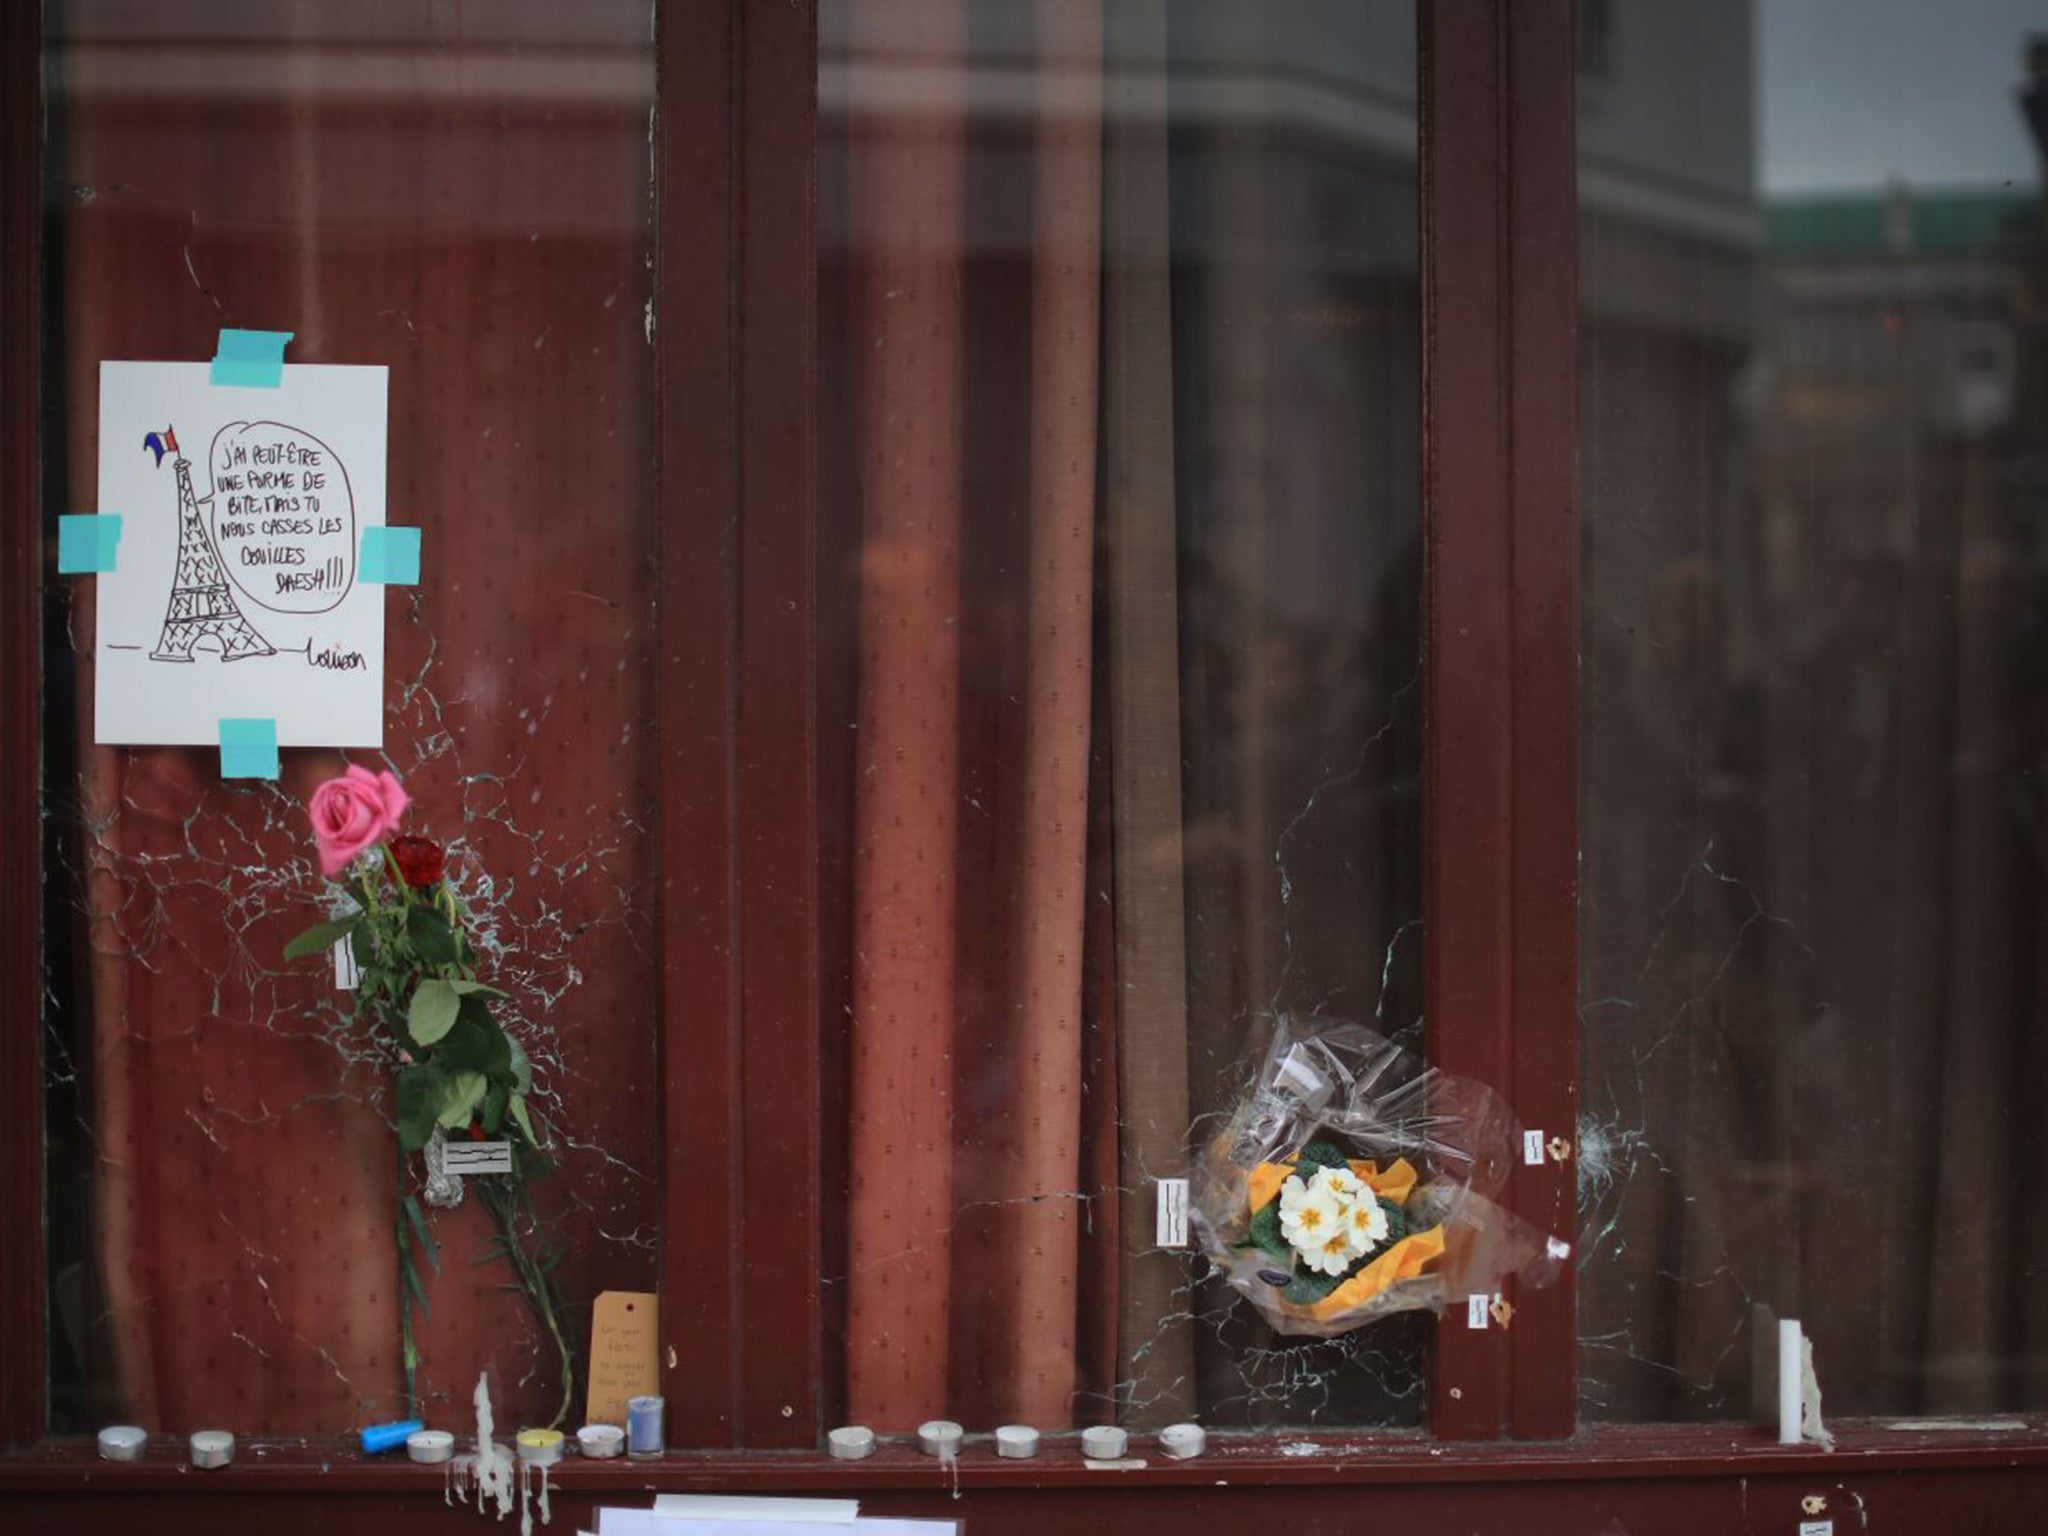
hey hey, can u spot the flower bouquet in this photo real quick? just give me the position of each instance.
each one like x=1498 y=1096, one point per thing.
x=1350 y=1181
x=457 y=1071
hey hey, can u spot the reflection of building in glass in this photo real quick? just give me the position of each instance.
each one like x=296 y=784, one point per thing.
x=1814 y=474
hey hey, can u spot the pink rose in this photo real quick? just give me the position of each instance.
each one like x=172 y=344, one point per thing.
x=352 y=812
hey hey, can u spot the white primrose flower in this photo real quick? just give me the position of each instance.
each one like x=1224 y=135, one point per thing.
x=1308 y=1217
x=1341 y=1182
x=1366 y=1220
x=1331 y=1256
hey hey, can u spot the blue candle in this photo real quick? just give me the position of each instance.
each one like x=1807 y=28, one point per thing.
x=388 y=1437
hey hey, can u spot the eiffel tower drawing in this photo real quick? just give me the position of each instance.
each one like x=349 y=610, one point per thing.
x=201 y=604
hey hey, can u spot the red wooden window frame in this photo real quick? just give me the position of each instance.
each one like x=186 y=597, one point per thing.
x=741 y=845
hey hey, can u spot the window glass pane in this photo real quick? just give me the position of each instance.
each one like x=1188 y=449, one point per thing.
x=1119 y=331
x=460 y=194
x=1814 y=474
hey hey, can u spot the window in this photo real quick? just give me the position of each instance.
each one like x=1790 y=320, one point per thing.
x=979 y=554
x=1811 y=584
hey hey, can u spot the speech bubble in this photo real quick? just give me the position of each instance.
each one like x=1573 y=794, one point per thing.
x=284 y=519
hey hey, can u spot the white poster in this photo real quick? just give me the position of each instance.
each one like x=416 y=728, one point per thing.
x=236 y=593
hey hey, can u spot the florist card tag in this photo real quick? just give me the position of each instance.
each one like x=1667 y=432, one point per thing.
x=622 y=1353
x=347 y=974
x=1172 y=1229
x=469 y=1157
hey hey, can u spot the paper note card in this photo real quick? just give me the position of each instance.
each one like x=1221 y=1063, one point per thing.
x=467 y=1157
x=623 y=1362
x=237 y=594
x=1171 y=1224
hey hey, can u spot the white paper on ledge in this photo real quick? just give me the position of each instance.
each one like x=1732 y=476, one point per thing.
x=647 y=1522
x=714 y=1506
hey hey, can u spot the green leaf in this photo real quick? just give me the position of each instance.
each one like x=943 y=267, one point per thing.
x=417 y=1218
x=465 y=1093
x=1319 y=1154
x=495 y=1103
x=1308 y=1287
x=522 y=1069
x=1264 y=1235
x=422 y=1089
x=413 y=1283
x=522 y=1119
x=433 y=1010
x=430 y=935
x=466 y=1047
x=470 y=988
x=364 y=942
x=322 y=936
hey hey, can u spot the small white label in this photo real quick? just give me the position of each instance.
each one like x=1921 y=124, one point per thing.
x=1532 y=1148
x=1297 y=1074
x=1173 y=1212
x=1476 y=1311
x=1816 y=1528
x=1560 y=1249
x=346 y=974
x=465 y=1157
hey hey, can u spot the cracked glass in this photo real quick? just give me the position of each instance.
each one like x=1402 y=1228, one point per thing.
x=463 y=195
x=1814 y=471
x=1120 y=587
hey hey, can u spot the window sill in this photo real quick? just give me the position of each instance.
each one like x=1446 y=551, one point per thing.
x=1606 y=1453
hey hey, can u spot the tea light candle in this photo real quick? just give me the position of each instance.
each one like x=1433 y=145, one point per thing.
x=430 y=1446
x=1017 y=1441
x=121 y=1442
x=1180 y=1441
x=939 y=1437
x=539 y=1447
x=1104 y=1442
x=851 y=1442
x=212 y=1448
x=601 y=1442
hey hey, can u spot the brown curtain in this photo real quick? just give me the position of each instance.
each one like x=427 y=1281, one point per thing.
x=972 y=1158
x=490 y=246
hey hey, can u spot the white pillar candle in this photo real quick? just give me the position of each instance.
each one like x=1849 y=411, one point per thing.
x=1104 y=1442
x=939 y=1437
x=1790 y=1363
x=851 y=1442
x=121 y=1442
x=1180 y=1441
x=212 y=1448
x=1019 y=1442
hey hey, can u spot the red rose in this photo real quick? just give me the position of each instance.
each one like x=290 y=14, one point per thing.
x=419 y=859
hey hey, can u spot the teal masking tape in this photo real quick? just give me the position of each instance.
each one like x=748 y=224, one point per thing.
x=391 y=556
x=252 y=359
x=87 y=541
x=248 y=749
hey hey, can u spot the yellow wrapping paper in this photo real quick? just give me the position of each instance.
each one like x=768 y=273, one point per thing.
x=1401 y=1262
